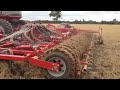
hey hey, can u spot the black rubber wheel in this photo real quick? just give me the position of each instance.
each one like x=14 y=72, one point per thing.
x=6 y=26
x=61 y=74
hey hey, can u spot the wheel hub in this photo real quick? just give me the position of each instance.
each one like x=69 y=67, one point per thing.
x=61 y=69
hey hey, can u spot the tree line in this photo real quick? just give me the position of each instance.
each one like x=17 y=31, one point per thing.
x=114 y=21
x=58 y=14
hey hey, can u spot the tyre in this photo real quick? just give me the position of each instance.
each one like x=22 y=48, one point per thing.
x=7 y=27
x=65 y=62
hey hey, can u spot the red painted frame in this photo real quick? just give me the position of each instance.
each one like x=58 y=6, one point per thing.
x=30 y=56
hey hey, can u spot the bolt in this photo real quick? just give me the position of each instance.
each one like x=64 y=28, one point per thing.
x=84 y=70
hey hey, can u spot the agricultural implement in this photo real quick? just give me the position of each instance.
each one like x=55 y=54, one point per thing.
x=61 y=52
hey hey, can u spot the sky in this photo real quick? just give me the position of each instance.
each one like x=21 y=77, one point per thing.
x=73 y=15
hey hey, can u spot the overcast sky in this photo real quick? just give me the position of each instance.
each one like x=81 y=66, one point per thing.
x=73 y=15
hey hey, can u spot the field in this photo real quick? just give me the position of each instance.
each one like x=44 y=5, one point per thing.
x=107 y=56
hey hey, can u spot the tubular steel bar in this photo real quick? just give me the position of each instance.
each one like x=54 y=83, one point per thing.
x=44 y=64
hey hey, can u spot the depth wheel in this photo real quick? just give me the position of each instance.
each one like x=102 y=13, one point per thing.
x=65 y=66
x=6 y=27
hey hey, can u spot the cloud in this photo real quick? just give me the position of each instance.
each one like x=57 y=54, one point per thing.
x=34 y=15
x=73 y=15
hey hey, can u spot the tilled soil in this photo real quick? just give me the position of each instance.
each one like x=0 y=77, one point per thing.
x=107 y=56
x=107 y=62
x=4 y=71
x=32 y=72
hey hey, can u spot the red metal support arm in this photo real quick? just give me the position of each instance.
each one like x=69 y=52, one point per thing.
x=12 y=57
x=32 y=60
x=44 y=64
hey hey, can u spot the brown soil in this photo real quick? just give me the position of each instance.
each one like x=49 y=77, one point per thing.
x=107 y=61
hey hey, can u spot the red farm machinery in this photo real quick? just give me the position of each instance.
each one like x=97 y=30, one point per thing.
x=61 y=52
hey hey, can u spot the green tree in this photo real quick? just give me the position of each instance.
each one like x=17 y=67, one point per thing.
x=83 y=20
x=115 y=21
x=56 y=15
x=76 y=21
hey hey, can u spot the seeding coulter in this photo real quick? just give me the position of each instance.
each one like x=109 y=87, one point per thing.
x=61 y=52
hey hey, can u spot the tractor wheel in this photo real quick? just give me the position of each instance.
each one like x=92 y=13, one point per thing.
x=65 y=63
x=7 y=27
